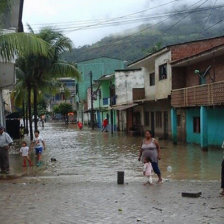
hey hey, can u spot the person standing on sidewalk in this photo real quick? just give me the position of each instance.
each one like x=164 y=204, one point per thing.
x=39 y=146
x=5 y=142
x=24 y=150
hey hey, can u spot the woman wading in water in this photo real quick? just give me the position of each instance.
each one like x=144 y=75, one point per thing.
x=150 y=149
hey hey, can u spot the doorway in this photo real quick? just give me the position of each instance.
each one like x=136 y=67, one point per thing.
x=165 y=125
x=152 y=124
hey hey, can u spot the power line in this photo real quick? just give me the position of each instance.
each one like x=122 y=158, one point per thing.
x=134 y=20
x=142 y=30
x=127 y=15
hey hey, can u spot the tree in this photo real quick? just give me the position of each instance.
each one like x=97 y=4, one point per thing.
x=44 y=69
x=63 y=109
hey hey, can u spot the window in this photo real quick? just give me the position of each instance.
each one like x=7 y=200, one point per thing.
x=178 y=120
x=146 y=118
x=159 y=119
x=163 y=72
x=196 y=125
x=152 y=79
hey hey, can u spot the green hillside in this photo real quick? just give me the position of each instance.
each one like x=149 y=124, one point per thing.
x=147 y=38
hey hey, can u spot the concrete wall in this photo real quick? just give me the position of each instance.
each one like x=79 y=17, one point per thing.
x=149 y=90
x=125 y=81
x=215 y=126
x=163 y=87
x=191 y=136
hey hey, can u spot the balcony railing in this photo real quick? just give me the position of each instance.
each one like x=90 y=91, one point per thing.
x=138 y=93
x=201 y=95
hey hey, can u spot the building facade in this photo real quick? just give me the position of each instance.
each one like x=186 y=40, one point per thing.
x=155 y=103
x=98 y=67
x=11 y=21
x=129 y=83
x=198 y=98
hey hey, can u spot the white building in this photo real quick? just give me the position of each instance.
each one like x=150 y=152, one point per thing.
x=11 y=22
x=129 y=84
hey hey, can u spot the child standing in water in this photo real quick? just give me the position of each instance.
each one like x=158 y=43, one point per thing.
x=24 y=150
x=39 y=146
x=147 y=170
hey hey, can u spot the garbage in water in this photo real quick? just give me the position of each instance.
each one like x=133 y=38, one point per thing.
x=169 y=169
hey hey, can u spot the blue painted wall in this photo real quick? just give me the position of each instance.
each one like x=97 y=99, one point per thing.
x=215 y=126
x=191 y=136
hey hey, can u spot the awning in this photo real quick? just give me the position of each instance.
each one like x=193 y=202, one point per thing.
x=124 y=106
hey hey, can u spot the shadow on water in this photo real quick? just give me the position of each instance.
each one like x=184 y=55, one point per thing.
x=93 y=155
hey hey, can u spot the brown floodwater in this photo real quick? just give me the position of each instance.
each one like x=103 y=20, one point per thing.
x=96 y=156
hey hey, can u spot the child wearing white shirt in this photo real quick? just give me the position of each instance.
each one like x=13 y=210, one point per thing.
x=147 y=170
x=24 y=150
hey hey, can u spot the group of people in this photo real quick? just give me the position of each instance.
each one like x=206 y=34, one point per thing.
x=38 y=144
x=150 y=155
x=6 y=141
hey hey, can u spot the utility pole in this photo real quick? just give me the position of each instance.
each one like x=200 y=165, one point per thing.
x=91 y=93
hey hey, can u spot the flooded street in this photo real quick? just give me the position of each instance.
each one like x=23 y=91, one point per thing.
x=80 y=187
x=96 y=156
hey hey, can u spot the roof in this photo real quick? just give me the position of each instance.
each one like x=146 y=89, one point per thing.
x=124 y=106
x=205 y=55
x=128 y=70
x=91 y=59
x=105 y=77
x=168 y=46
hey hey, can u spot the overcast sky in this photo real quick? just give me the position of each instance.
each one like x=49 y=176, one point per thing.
x=63 y=11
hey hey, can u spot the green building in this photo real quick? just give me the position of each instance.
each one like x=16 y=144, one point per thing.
x=105 y=99
x=98 y=67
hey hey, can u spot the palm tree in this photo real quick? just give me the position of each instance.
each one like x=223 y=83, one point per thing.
x=42 y=69
x=14 y=44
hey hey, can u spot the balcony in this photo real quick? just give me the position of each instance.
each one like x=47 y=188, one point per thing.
x=138 y=94
x=201 y=95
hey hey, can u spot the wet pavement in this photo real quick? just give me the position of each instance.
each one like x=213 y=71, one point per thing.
x=80 y=187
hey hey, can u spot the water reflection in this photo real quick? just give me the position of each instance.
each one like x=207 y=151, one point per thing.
x=97 y=156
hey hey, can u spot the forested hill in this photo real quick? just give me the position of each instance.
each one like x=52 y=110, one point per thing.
x=148 y=38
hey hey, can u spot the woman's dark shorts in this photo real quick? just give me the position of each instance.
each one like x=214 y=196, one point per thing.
x=155 y=167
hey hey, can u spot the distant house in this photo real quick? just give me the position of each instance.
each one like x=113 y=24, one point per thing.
x=158 y=82
x=10 y=22
x=67 y=93
x=98 y=67
x=197 y=98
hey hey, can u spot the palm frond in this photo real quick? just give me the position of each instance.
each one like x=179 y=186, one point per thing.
x=21 y=44
x=63 y=69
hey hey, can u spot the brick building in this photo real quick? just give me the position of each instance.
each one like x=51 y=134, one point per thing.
x=155 y=103
x=198 y=97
